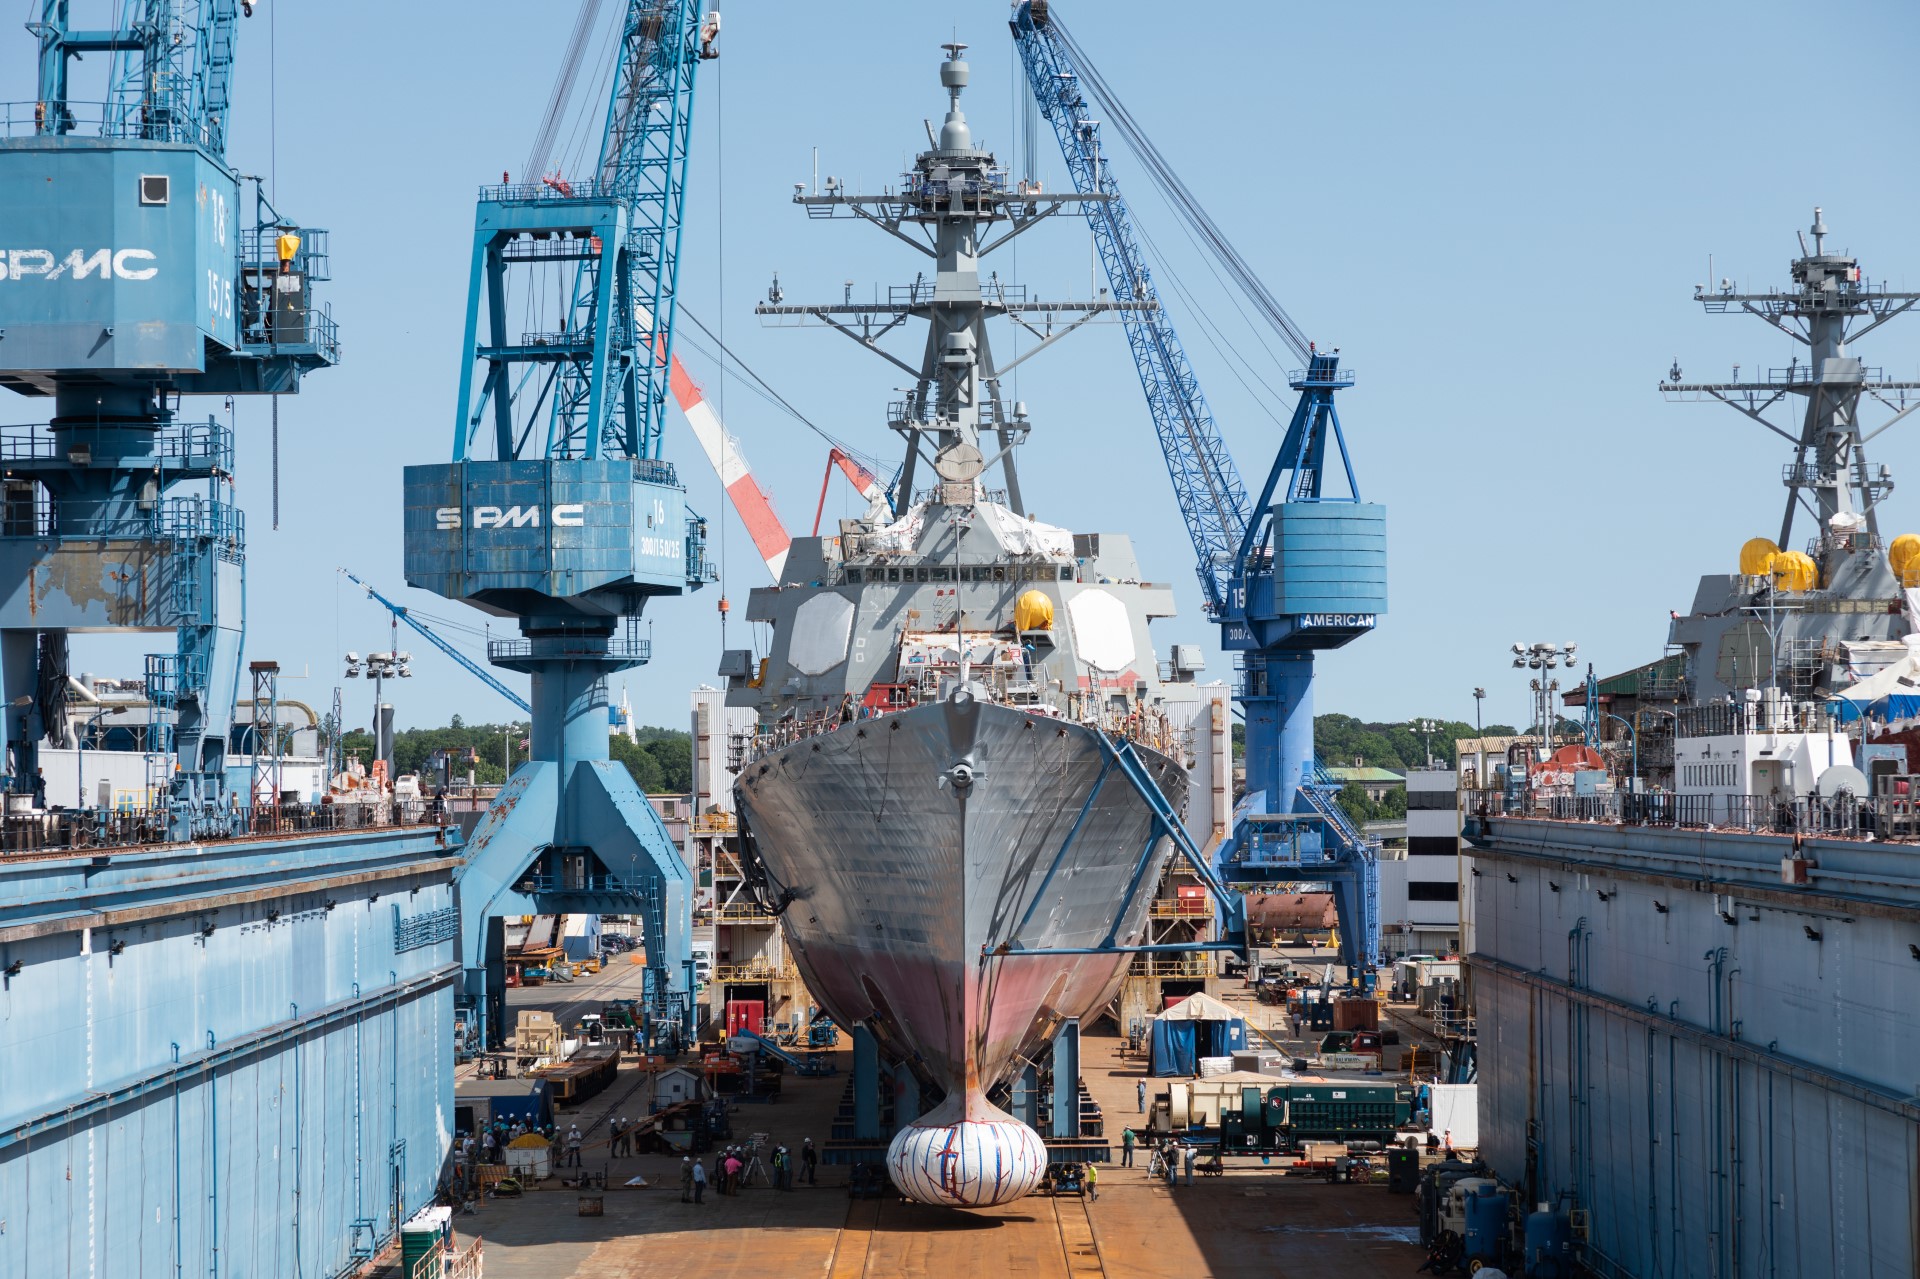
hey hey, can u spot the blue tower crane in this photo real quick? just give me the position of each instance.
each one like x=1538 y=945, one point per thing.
x=1299 y=570
x=558 y=510
x=133 y=279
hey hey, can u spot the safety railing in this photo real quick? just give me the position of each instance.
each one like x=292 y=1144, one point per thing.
x=180 y=441
x=260 y=251
x=194 y=519
x=1182 y=908
x=617 y=648
x=1171 y=965
x=757 y=971
x=654 y=470
x=1843 y=816
x=99 y=119
x=741 y=913
x=556 y=188
x=55 y=830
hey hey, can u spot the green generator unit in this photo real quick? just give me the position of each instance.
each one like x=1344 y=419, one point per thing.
x=1341 y=1110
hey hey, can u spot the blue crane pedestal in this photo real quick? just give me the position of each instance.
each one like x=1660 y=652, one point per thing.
x=572 y=833
x=573 y=548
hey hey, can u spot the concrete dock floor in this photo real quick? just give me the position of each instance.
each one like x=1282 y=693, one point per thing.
x=1252 y=1221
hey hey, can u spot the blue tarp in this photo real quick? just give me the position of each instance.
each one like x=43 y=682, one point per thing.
x=1889 y=708
x=1173 y=1048
x=1177 y=1044
x=1193 y=1028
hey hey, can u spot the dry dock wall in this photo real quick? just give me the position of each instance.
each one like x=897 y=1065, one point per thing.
x=223 y=1059
x=1724 y=1069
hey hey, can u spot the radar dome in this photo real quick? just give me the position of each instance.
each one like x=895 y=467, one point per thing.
x=1755 y=553
x=1903 y=557
x=1033 y=611
x=1795 y=571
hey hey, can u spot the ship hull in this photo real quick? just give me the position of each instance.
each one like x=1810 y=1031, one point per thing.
x=921 y=852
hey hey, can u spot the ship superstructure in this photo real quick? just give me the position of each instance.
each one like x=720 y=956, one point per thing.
x=1694 y=989
x=966 y=770
x=1812 y=618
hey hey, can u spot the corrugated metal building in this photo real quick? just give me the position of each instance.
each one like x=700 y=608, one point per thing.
x=1721 y=1067
x=230 y=1058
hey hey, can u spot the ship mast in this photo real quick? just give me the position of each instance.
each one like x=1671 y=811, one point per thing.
x=948 y=208
x=1831 y=304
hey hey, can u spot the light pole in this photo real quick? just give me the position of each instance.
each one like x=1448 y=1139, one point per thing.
x=1426 y=727
x=1479 y=696
x=1544 y=657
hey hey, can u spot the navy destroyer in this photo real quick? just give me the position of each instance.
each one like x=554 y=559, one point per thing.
x=1693 y=979
x=964 y=773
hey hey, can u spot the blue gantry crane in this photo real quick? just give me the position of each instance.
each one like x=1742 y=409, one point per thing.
x=1298 y=570
x=558 y=510
x=136 y=274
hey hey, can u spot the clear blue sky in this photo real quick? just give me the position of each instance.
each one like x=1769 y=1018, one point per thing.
x=1498 y=211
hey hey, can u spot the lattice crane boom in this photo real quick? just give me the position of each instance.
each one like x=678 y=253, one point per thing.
x=1211 y=495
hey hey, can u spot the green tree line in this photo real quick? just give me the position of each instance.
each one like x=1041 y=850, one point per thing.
x=661 y=761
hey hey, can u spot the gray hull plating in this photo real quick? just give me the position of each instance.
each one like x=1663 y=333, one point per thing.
x=914 y=847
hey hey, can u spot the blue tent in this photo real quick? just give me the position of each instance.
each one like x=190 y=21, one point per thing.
x=1198 y=1026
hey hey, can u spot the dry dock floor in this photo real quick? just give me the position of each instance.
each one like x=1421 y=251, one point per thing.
x=1252 y=1221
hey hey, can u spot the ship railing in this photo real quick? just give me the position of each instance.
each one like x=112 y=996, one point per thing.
x=72 y=829
x=1842 y=541
x=1843 y=816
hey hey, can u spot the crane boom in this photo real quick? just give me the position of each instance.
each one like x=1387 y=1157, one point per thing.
x=1301 y=569
x=575 y=521
x=1212 y=498
x=474 y=668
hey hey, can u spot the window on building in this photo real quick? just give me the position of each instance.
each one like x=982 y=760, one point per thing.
x=1440 y=892
x=1432 y=846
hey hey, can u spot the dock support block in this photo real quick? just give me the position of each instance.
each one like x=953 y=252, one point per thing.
x=1026 y=1096
x=866 y=1086
x=906 y=1097
x=1066 y=1080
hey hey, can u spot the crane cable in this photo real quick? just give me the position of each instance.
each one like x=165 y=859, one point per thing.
x=1182 y=199
x=542 y=150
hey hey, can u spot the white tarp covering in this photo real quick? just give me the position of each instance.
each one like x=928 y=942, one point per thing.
x=822 y=628
x=1024 y=536
x=1017 y=534
x=1102 y=630
x=900 y=536
x=1456 y=1114
x=1200 y=1007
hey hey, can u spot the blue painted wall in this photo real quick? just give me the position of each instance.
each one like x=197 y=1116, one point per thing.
x=227 y=1102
